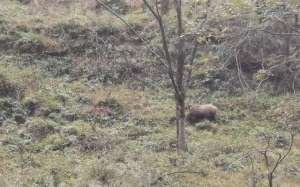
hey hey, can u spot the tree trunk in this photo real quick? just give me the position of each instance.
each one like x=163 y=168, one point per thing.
x=180 y=95
x=180 y=122
x=287 y=41
x=270 y=179
x=164 y=6
x=176 y=77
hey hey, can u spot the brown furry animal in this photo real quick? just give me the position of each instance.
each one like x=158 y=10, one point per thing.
x=202 y=112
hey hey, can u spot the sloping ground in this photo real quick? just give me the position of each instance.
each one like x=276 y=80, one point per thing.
x=60 y=144
x=61 y=129
x=75 y=43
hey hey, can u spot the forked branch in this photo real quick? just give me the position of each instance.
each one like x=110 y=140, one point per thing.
x=168 y=58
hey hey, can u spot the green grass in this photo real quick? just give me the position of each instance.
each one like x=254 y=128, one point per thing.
x=136 y=149
x=142 y=144
x=149 y=154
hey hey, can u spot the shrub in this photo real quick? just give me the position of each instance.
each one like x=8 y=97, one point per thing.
x=113 y=104
x=39 y=129
x=10 y=89
x=31 y=105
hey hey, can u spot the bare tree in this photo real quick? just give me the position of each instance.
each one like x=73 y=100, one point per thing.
x=175 y=68
x=176 y=74
x=271 y=167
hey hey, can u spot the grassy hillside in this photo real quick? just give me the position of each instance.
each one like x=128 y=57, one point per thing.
x=55 y=73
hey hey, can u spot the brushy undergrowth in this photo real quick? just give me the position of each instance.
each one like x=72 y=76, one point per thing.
x=70 y=130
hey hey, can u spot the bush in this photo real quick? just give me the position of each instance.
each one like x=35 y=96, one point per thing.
x=31 y=105
x=39 y=129
x=94 y=143
x=9 y=108
x=10 y=89
x=105 y=112
x=113 y=104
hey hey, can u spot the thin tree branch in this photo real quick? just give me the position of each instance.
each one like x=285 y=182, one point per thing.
x=275 y=33
x=165 y=46
x=110 y=10
x=157 y=9
x=194 y=52
x=180 y=46
x=280 y=157
x=287 y=25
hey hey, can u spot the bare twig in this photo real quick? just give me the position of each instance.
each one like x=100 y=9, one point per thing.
x=294 y=80
x=109 y=9
x=280 y=157
x=275 y=33
x=287 y=25
x=194 y=52
x=272 y=168
x=260 y=83
x=165 y=45
x=240 y=73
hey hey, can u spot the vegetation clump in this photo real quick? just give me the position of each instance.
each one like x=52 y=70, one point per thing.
x=39 y=129
x=10 y=89
x=88 y=93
